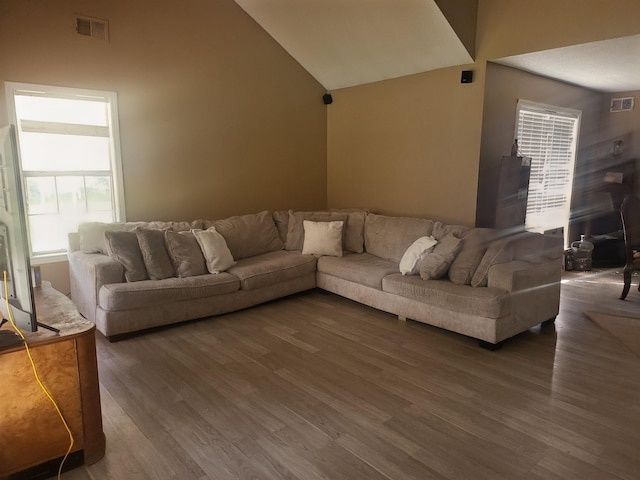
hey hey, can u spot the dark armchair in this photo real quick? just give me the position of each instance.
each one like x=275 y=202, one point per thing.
x=630 y=213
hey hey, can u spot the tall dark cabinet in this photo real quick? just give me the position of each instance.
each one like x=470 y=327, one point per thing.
x=513 y=188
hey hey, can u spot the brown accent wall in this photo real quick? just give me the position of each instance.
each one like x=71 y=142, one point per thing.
x=407 y=146
x=215 y=117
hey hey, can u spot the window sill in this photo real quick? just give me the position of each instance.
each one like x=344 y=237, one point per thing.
x=45 y=259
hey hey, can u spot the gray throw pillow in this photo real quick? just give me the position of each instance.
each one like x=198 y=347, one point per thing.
x=154 y=253
x=123 y=247
x=435 y=264
x=498 y=252
x=474 y=245
x=185 y=253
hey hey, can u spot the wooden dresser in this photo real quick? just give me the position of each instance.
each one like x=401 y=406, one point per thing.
x=32 y=436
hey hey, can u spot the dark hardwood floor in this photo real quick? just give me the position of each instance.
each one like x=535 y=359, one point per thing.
x=315 y=386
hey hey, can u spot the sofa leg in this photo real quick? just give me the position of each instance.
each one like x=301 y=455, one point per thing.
x=551 y=321
x=402 y=318
x=490 y=346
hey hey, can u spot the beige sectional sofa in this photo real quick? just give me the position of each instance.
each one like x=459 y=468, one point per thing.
x=482 y=283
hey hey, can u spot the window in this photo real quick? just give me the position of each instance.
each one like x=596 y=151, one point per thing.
x=548 y=135
x=70 y=160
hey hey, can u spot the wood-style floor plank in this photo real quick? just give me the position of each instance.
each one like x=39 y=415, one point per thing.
x=315 y=386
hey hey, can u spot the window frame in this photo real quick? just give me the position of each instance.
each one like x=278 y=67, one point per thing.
x=116 y=171
x=545 y=109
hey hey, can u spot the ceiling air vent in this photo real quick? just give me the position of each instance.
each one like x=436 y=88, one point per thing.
x=92 y=27
x=621 y=104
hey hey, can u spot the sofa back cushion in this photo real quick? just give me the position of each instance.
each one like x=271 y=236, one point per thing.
x=249 y=235
x=441 y=230
x=389 y=237
x=91 y=234
x=175 y=226
x=281 y=219
x=92 y=239
x=528 y=246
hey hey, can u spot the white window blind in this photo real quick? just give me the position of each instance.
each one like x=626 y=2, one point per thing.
x=548 y=135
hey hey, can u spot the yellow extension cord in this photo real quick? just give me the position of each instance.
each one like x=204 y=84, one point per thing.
x=37 y=377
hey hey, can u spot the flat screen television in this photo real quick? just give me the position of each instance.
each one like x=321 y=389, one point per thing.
x=14 y=244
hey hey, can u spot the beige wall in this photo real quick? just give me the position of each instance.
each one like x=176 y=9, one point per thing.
x=412 y=145
x=58 y=274
x=407 y=146
x=215 y=117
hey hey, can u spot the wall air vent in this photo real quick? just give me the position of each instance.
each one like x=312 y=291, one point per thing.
x=621 y=104
x=92 y=27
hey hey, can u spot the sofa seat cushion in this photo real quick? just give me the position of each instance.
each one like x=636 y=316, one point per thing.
x=127 y=296
x=482 y=302
x=272 y=267
x=362 y=268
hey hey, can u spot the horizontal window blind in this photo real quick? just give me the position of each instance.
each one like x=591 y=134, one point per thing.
x=548 y=137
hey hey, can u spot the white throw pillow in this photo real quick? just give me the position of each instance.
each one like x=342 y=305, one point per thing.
x=409 y=261
x=322 y=238
x=215 y=250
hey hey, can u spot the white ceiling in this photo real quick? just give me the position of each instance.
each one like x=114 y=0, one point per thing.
x=343 y=43
x=607 y=66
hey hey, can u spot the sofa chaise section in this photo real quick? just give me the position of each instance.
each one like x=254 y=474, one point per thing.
x=520 y=289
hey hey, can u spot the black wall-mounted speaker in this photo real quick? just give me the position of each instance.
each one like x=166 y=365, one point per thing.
x=467 y=76
x=327 y=99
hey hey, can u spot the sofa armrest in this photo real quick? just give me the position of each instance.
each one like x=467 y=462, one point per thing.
x=87 y=273
x=534 y=289
x=518 y=275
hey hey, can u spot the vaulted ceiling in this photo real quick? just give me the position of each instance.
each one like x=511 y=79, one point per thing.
x=343 y=43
